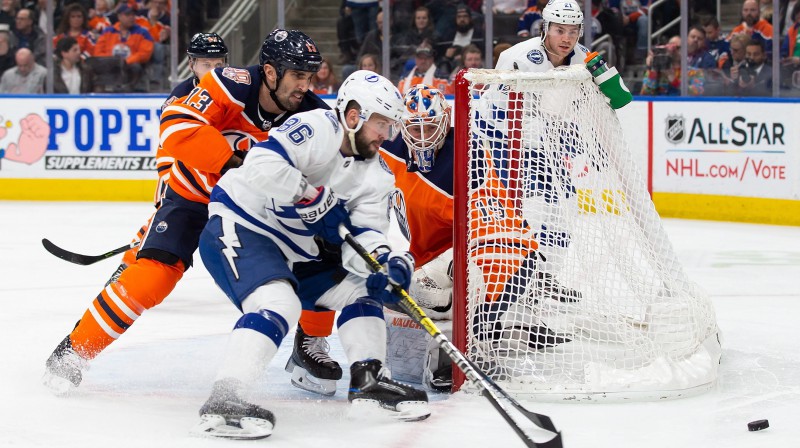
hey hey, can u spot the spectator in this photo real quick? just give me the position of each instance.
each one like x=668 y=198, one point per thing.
x=8 y=11
x=753 y=26
x=369 y=62
x=75 y=24
x=70 y=75
x=29 y=36
x=471 y=57
x=324 y=81
x=26 y=77
x=6 y=49
x=607 y=22
x=444 y=15
x=634 y=25
x=346 y=35
x=695 y=49
x=663 y=75
x=155 y=11
x=792 y=45
x=530 y=22
x=129 y=41
x=464 y=33
x=730 y=72
x=363 y=13
x=421 y=30
x=98 y=17
x=424 y=72
x=373 y=44
x=509 y=6
x=718 y=47
x=755 y=79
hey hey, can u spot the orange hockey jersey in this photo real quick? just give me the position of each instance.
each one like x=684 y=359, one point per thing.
x=221 y=114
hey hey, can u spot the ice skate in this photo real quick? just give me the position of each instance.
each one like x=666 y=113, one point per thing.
x=64 y=369
x=547 y=285
x=311 y=367
x=372 y=389
x=226 y=415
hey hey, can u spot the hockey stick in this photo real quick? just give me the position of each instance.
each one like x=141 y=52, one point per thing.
x=497 y=396
x=84 y=260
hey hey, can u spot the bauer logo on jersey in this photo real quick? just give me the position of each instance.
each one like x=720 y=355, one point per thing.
x=161 y=227
x=535 y=56
x=398 y=202
x=675 y=129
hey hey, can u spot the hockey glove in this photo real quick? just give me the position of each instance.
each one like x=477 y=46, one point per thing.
x=398 y=266
x=323 y=214
x=379 y=289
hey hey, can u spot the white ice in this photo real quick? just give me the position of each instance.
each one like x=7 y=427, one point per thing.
x=145 y=390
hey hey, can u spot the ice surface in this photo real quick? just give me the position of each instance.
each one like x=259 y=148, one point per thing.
x=145 y=390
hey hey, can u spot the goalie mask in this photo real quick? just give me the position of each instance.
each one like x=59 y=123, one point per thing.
x=566 y=12
x=426 y=121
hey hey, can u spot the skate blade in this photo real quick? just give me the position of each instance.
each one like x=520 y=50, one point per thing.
x=59 y=386
x=407 y=411
x=249 y=428
x=303 y=380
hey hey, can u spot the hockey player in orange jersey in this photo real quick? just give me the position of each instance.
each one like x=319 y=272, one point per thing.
x=206 y=52
x=422 y=162
x=195 y=131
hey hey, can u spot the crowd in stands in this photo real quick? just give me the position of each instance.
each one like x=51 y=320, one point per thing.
x=108 y=46
x=98 y=45
x=431 y=40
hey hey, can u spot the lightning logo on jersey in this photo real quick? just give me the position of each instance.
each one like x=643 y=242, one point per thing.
x=231 y=242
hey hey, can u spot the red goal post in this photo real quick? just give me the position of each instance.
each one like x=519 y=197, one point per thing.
x=602 y=310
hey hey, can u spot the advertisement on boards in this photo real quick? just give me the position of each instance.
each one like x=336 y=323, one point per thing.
x=726 y=148
x=79 y=138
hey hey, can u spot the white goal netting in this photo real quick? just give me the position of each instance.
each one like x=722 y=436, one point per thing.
x=602 y=309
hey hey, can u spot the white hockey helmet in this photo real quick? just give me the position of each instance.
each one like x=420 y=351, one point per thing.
x=374 y=93
x=426 y=109
x=567 y=12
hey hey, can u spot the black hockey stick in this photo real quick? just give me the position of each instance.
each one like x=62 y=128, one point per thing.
x=489 y=389
x=83 y=260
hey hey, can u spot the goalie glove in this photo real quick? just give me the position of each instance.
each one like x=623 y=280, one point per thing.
x=323 y=214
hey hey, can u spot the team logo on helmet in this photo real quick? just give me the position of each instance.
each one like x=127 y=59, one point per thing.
x=535 y=56
x=372 y=78
x=280 y=36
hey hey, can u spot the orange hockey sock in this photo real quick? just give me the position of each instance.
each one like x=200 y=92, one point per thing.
x=317 y=323
x=142 y=286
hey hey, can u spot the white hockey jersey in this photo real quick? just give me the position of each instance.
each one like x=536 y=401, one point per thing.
x=530 y=56
x=261 y=194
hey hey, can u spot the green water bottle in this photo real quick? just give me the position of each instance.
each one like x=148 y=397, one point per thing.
x=608 y=80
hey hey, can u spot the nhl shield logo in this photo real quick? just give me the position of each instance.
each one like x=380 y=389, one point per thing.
x=675 y=129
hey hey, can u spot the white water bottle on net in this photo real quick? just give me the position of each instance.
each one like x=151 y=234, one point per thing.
x=567 y=284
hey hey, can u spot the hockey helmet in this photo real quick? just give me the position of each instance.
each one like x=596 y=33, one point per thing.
x=207 y=45
x=427 y=117
x=567 y=12
x=374 y=93
x=290 y=50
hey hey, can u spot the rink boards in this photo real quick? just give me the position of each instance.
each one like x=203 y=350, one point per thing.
x=717 y=159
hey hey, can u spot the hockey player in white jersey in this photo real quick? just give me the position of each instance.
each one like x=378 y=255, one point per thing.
x=562 y=26
x=272 y=244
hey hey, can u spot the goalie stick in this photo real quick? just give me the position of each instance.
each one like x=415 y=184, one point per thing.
x=499 y=398
x=84 y=260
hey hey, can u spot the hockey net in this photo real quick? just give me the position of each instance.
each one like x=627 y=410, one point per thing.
x=602 y=309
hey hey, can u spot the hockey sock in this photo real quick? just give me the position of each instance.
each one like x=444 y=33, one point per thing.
x=252 y=345
x=362 y=330
x=143 y=285
x=318 y=324
x=130 y=255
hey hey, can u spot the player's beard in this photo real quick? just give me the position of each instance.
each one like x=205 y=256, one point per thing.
x=290 y=101
x=364 y=147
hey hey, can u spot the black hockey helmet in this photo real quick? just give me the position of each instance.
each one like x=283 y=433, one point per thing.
x=290 y=50
x=207 y=45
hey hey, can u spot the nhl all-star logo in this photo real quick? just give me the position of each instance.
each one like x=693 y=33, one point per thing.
x=161 y=227
x=535 y=56
x=675 y=130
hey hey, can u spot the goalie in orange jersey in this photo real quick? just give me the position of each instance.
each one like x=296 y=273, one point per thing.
x=207 y=132
x=504 y=249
